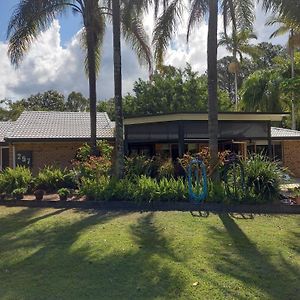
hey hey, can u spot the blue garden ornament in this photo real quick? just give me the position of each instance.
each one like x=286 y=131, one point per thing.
x=195 y=192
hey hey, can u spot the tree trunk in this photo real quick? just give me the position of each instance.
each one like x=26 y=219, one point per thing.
x=293 y=76
x=92 y=89
x=212 y=49
x=236 y=90
x=119 y=163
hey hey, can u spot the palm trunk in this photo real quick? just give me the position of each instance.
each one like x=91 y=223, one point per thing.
x=212 y=49
x=236 y=90
x=92 y=89
x=293 y=76
x=119 y=164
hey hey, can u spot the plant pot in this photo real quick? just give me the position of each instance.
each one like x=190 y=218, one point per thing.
x=297 y=200
x=39 y=195
x=63 y=198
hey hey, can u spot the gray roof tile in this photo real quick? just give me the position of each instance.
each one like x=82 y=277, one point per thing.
x=59 y=125
x=5 y=128
x=277 y=132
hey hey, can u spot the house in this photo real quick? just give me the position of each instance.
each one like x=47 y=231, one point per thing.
x=38 y=138
x=175 y=134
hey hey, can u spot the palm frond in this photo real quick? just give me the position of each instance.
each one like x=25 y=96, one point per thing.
x=198 y=10
x=28 y=20
x=165 y=28
x=135 y=35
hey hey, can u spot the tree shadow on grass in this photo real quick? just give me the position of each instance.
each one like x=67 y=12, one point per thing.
x=255 y=268
x=58 y=270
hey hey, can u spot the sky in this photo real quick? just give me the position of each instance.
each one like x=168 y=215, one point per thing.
x=55 y=60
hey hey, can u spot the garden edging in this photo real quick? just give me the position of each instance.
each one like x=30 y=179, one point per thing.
x=158 y=206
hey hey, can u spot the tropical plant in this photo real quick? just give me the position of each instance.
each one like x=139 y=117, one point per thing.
x=11 y=179
x=32 y=17
x=238 y=44
x=19 y=193
x=293 y=29
x=262 y=179
x=261 y=91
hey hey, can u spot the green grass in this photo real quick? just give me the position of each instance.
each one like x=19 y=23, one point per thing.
x=71 y=254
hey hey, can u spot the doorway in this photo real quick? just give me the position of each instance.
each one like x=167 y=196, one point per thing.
x=4 y=158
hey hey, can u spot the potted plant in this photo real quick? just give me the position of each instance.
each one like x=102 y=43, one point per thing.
x=63 y=194
x=39 y=194
x=18 y=194
x=296 y=195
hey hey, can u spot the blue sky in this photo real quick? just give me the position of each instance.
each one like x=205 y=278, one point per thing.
x=55 y=60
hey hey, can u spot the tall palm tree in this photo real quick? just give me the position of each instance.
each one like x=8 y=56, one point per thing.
x=234 y=12
x=288 y=26
x=30 y=18
x=238 y=44
x=118 y=88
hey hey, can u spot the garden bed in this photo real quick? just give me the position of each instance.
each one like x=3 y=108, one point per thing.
x=156 y=206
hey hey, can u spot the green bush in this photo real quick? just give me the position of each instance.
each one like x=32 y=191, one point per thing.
x=138 y=189
x=63 y=192
x=262 y=179
x=51 y=179
x=19 y=193
x=12 y=179
x=166 y=169
x=138 y=165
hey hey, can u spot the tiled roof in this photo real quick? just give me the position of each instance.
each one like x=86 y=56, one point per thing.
x=277 y=132
x=5 y=127
x=59 y=125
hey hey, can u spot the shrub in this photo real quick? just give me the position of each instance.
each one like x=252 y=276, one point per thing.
x=93 y=188
x=90 y=166
x=262 y=179
x=63 y=192
x=19 y=193
x=52 y=178
x=138 y=165
x=204 y=154
x=138 y=189
x=12 y=179
x=49 y=179
x=166 y=169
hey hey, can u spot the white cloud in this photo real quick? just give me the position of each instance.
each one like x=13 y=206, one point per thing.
x=49 y=65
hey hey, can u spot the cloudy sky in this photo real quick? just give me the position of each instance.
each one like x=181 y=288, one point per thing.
x=55 y=60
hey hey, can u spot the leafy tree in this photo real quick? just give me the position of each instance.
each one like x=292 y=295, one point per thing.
x=76 y=102
x=50 y=101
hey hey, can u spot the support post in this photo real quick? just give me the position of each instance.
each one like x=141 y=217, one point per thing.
x=270 y=151
x=180 y=139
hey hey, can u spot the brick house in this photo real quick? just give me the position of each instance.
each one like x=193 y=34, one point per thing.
x=38 y=139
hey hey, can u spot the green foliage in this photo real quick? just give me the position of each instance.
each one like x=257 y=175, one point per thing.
x=76 y=102
x=63 y=192
x=52 y=178
x=138 y=189
x=87 y=165
x=171 y=90
x=11 y=179
x=217 y=193
x=166 y=169
x=18 y=193
x=262 y=179
x=138 y=165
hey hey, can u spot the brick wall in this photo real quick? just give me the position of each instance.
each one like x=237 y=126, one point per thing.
x=48 y=153
x=291 y=156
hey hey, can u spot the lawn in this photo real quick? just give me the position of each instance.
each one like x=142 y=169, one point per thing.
x=71 y=254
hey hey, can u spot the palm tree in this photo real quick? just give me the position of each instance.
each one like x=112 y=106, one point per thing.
x=238 y=45
x=118 y=88
x=236 y=13
x=30 y=18
x=288 y=26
